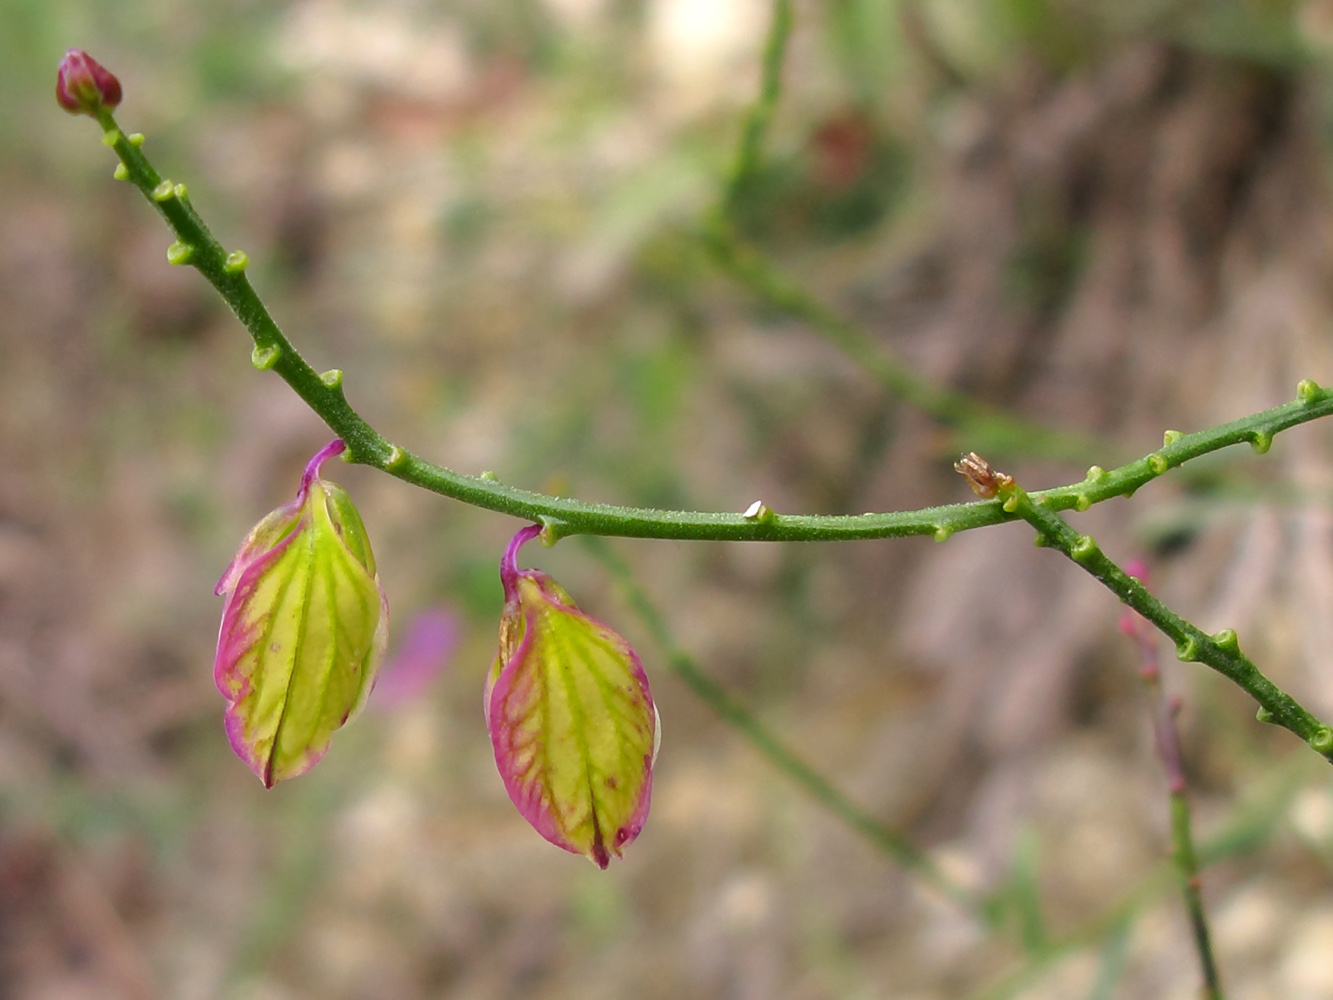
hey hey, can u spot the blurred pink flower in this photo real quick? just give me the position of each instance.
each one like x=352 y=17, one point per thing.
x=420 y=657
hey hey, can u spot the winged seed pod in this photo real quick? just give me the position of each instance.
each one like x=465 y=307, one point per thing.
x=570 y=715
x=303 y=630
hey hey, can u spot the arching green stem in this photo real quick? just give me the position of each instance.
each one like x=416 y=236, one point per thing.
x=324 y=394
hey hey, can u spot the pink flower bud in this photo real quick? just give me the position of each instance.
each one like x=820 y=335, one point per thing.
x=571 y=718
x=83 y=85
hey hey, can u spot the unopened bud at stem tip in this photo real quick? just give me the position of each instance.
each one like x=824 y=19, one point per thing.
x=84 y=86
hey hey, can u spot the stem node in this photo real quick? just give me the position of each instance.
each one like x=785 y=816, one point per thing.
x=179 y=253
x=760 y=513
x=553 y=529
x=1084 y=549
x=265 y=358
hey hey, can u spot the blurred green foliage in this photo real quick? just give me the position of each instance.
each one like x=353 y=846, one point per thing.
x=510 y=273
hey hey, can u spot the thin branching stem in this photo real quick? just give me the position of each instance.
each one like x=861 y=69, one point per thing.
x=324 y=394
x=1220 y=651
x=1166 y=736
x=749 y=153
x=561 y=516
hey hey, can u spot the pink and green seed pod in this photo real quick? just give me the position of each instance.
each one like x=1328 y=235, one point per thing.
x=303 y=631
x=571 y=719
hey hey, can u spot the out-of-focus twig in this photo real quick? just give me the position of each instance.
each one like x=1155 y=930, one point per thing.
x=981 y=427
x=1166 y=735
x=975 y=425
x=881 y=837
x=760 y=117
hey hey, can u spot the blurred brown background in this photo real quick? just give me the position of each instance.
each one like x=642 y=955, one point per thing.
x=1106 y=217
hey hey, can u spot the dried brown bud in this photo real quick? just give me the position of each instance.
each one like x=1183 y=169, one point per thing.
x=984 y=480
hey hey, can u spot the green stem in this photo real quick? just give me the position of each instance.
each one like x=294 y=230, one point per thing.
x=889 y=842
x=1187 y=866
x=565 y=516
x=757 y=122
x=1220 y=651
x=1171 y=753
